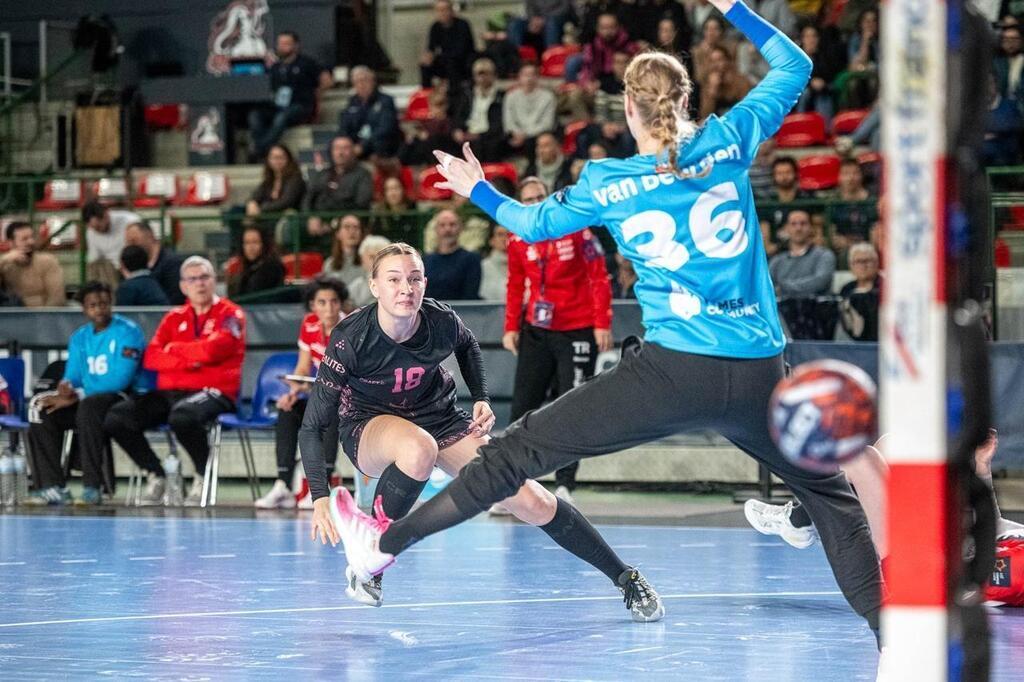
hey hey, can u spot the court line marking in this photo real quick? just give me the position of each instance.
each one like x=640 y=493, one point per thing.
x=78 y=561
x=287 y=554
x=146 y=558
x=417 y=605
x=296 y=520
x=12 y=563
x=216 y=556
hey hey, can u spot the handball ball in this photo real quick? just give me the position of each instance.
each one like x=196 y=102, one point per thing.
x=823 y=414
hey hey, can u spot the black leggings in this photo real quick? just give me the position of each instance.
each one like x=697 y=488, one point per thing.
x=556 y=360
x=189 y=414
x=653 y=393
x=286 y=441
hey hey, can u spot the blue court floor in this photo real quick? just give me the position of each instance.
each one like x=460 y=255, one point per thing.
x=223 y=599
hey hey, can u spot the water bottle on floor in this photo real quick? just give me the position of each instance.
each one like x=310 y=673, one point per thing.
x=20 y=466
x=6 y=478
x=173 y=495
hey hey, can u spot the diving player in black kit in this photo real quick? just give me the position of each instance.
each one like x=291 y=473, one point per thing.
x=382 y=374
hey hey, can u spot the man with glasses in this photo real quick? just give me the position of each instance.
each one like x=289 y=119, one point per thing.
x=477 y=114
x=197 y=353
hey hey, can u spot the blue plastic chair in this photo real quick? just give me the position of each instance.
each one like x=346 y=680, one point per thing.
x=13 y=370
x=262 y=417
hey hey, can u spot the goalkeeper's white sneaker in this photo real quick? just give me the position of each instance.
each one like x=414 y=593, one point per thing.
x=360 y=534
x=773 y=519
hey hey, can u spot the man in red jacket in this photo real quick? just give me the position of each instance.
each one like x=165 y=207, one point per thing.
x=567 y=319
x=197 y=354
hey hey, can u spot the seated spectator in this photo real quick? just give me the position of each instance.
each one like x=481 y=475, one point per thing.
x=359 y=288
x=817 y=96
x=673 y=40
x=801 y=273
x=761 y=170
x=771 y=246
x=475 y=227
x=1009 y=64
x=477 y=114
x=625 y=280
x=433 y=133
x=104 y=239
x=34 y=277
x=343 y=263
x=858 y=85
x=869 y=133
x=542 y=25
x=499 y=49
x=296 y=81
x=370 y=120
x=860 y=298
x=596 y=62
x=139 y=286
x=102 y=368
x=852 y=221
x=197 y=353
x=282 y=187
x=609 y=127
x=777 y=13
x=1003 y=127
x=262 y=268
x=343 y=186
x=550 y=165
x=393 y=217
x=163 y=263
x=494 y=266
x=453 y=274
x=649 y=25
x=326 y=304
x=785 y=190
x=712 y=37
x=722 y=85
x=528 y=111
x=450 y=48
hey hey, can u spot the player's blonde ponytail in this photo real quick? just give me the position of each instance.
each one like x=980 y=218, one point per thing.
x=660 y=88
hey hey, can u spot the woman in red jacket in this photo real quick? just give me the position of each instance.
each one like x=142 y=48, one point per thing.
x=567 y=319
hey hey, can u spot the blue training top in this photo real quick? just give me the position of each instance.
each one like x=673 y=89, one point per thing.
x=703 y=281
x=107 y=361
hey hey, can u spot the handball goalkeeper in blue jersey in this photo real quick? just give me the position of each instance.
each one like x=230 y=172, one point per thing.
x=683 y=212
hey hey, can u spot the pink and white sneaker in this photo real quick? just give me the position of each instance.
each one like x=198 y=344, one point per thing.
x=360 y=534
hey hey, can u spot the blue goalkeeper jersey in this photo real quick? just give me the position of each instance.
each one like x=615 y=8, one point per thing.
x=694 y=240
x=106 y=361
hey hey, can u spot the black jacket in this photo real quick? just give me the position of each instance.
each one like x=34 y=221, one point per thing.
x=142 y=289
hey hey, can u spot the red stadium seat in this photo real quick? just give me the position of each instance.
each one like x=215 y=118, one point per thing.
x=404 y=174
x=418 y=107
x=868 y=158
x=163 y=116
x=501 y=170
x=572 y=131
x=156 y=189
x=233 y=266
x=205 y=189
x=427 y=191
x=528 y=54
x=60 y=194
x=818 y=172
x=845 y=122
x=306 y=266
x=110 y=191
x=552 y=62
x=801 y=130
x=1003 y=257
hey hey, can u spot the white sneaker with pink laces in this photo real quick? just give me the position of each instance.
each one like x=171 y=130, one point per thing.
x=360 y=534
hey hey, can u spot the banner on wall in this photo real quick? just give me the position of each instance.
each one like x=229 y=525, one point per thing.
x=237 y=33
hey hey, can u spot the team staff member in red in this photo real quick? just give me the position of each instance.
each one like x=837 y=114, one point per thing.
x=567 y=316
x=197 y=353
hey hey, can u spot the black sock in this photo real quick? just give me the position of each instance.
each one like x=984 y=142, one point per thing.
x=799 y=516
x=571 y=530
x=436 y=514
x=398 y=492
